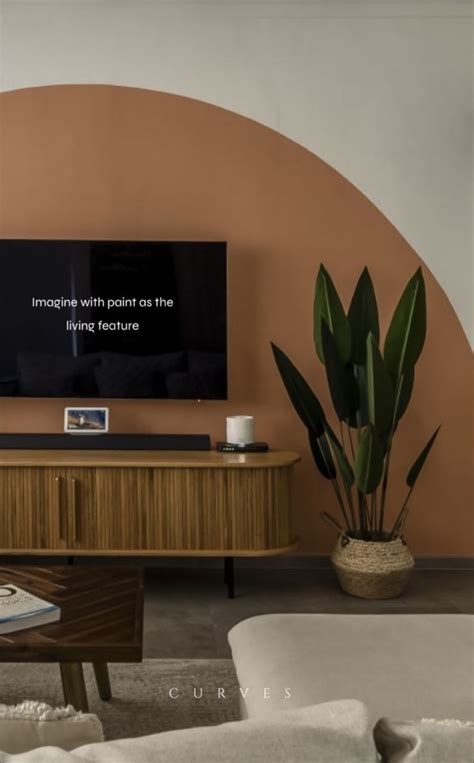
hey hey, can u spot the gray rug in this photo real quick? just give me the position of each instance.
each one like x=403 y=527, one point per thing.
x=141 y=703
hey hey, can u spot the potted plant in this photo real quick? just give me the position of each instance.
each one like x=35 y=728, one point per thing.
x=370 y=391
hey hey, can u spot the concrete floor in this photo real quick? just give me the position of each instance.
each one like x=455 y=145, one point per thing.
x=187 y=614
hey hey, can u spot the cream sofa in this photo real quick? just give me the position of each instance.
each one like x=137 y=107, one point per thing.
x=294 y=673
x=400 y=666
x=330 y=733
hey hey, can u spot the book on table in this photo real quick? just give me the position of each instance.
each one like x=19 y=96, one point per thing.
x=20 y=610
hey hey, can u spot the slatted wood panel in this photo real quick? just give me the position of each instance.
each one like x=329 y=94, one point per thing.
x=228 y=507
x=259 y=509
x=101 y=615
x=33 y=508
x=189 y=510
x=202 y=509
x=108 y=507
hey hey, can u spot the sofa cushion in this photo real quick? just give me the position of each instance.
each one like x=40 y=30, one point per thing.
x=400 y=666
x=427 y=740
x=36 y=724
x=329 y=733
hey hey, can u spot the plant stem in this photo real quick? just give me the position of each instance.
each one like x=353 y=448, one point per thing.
x=402 y=522
x=400 y=513
x=373 y=510
x=361 y=499
x=388 y=454
x=331 y=521
x=351 y=443
x=337 y=491
x=384 y=486
x=341 y=430
x=350 y=504
x=347 y=489
x=362 y=511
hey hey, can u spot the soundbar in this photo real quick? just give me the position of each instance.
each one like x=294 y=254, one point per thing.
x=105 y=442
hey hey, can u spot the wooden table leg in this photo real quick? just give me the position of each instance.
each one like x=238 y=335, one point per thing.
x=102 y=678
x=74 y=688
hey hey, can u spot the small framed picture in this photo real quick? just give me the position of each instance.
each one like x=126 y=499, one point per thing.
x=86 y=420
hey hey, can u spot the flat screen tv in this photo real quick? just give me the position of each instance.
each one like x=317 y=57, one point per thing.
x=113 y=319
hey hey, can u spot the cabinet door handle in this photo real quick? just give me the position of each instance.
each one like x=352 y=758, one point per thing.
x=76 y=510
x=62 y=524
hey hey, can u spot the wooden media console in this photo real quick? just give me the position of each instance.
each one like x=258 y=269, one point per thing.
x=145 y=503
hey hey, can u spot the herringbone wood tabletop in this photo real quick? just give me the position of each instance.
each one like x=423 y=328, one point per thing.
x=101 y=615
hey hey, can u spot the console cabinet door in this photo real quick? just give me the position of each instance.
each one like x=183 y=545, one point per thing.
x=188 y=510
x=107 y=508
x=33 y=508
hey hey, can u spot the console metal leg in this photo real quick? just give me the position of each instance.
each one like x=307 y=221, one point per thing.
x=229 y=575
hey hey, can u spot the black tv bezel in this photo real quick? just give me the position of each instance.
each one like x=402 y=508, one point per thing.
x=111 y=400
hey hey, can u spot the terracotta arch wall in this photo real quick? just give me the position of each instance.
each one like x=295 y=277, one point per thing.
x=114 y=162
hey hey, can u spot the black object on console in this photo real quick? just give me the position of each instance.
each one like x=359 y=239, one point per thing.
x=105 y=442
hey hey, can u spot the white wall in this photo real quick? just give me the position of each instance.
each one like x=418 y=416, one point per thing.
x=379 y=90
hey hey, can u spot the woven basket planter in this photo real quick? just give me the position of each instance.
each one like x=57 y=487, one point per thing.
x=372 y=570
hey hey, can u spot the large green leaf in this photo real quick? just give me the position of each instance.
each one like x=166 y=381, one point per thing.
x=368 y=464
x=328 y=307
x=322 y=455
x=415 y=470
x=380 y=394
x=363 y=317
x=345 y=468
x=361 y=419
x=406 y=333
x=305 y=402
x=341 y=381
x=407 y=381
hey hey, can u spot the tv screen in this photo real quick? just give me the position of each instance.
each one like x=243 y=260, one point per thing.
x=113 y=319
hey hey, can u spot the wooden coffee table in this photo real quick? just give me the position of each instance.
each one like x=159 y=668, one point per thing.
x=101 y=621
